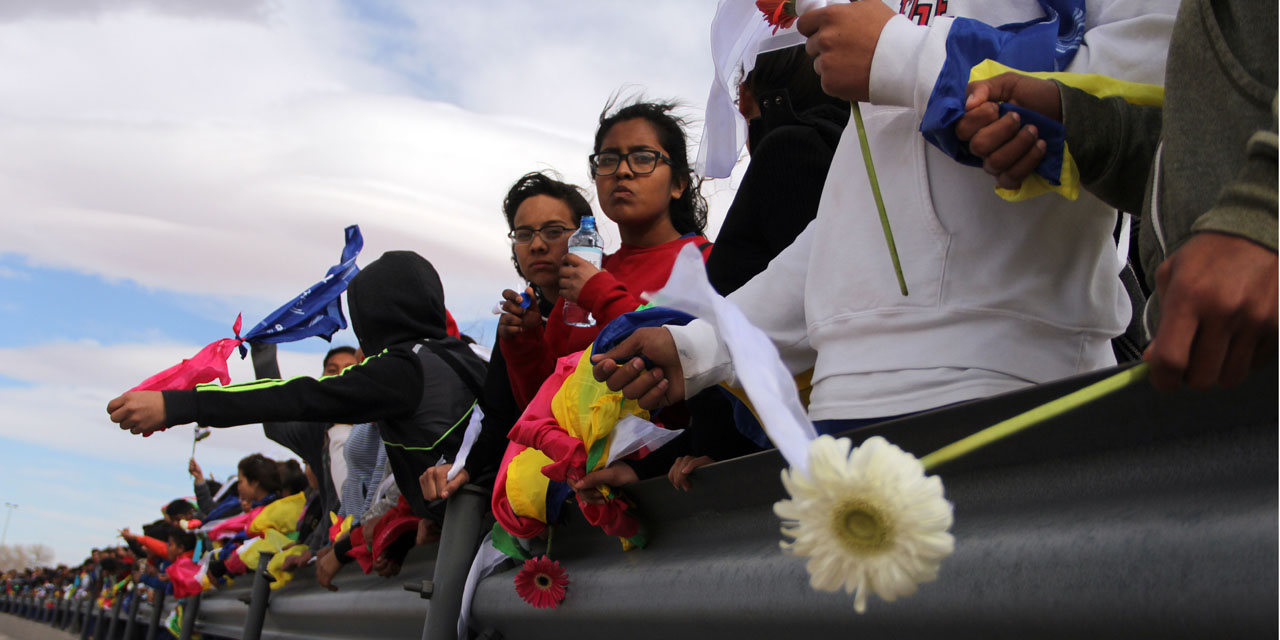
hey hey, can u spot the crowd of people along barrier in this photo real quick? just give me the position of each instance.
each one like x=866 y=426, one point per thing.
x=991 y=266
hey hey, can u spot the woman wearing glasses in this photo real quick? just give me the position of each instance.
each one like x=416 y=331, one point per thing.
x=645 y=185
x=542 y=213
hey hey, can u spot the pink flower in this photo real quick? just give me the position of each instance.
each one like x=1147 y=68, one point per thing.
x=779 y=13
x=541 y=582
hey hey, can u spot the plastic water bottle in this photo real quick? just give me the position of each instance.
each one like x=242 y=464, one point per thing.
x=587 y=244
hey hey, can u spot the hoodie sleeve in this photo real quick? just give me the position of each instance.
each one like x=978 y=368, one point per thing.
x=204 y=498
x=306 y=439
x=500 y=413
x=528 y=360
x=1113 y=143
x=607 y=298
x=384 y=386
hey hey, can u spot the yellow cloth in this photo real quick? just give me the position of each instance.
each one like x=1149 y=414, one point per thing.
x=281 y=515
x=342 y=530
x=587 y=410
x=1098 y=85
x=526 y=486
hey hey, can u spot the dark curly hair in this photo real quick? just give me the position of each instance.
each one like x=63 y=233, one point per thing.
x=689 y=212
x=540 y=184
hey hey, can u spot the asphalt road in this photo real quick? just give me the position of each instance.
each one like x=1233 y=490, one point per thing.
x=15 y=628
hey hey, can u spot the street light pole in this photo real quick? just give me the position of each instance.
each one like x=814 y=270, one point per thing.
x=10 y=506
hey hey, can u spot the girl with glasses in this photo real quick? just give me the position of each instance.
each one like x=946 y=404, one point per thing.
x=541 y=213
x=645 y=185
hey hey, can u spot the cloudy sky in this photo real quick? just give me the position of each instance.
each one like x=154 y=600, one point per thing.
x=167 y=165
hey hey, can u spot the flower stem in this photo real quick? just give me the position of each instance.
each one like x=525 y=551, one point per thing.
x=1035 y=416
x=551 y=532
x=875 y=191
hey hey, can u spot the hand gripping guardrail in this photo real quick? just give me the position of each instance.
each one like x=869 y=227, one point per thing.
x=1141 y=515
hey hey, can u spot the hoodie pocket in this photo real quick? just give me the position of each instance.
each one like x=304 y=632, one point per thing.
x=851 y=246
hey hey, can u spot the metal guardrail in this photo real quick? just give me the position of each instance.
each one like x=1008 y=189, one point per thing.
x=1143 y=514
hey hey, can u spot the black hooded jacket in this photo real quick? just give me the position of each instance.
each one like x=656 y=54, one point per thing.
x=779 y=194
x=410 y=383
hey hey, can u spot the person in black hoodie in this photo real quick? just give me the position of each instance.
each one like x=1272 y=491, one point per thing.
x=792 y=133
x=418 y=384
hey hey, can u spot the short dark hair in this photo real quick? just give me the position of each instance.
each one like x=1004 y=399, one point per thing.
x=292 y=476
x=689 y=211
x=177 y=508
x=541 y=184
x=185 y=539
x=351 y=351
x=158 y=529
x=262 y=470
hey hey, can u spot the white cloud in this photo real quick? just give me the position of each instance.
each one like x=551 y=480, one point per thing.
x=66 y=387
x=43 y=9
x=14 y=274
x=224 y=158
x=218 y=150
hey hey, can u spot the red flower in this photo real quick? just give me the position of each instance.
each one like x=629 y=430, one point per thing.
x=779 y=13
x=541 y=582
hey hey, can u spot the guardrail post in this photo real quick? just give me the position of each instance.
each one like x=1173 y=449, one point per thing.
x=459 y=538
x=117 y=603
x=104 y=620
x=157 y=610
x=73 y=616
x=189 y=613
x=135 y=598
x=86 y=623
x=261 y=594
x=82 y=614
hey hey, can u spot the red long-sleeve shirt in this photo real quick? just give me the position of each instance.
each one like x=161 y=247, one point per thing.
x=531 y=355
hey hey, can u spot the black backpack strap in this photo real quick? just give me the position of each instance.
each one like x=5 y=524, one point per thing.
x=452 y=360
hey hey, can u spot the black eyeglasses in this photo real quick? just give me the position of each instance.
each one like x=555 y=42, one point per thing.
x=641 y=162
x=550 y=233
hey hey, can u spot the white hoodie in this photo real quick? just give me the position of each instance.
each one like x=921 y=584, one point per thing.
x=1002 y=295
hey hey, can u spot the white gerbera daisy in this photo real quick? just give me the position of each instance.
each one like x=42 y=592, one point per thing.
x=869 y=520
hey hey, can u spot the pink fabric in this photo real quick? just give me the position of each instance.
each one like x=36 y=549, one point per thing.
x=182 y=575
x=537 y=427
x=206 y=366
x=236 y=524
